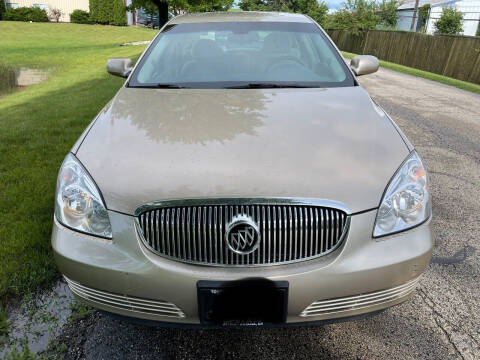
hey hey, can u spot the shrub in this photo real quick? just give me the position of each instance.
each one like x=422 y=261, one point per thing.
x=423 y=12
x=26 y=14
x=387 y=12
x=119 y=14
x=101 y=10
x=3 y=9
x=105 y=13
x=108 y=12
x=56 y=14
x=451 y=22
x=80 y=17
x=317 y=10
x=94 y=8
x=356 y=17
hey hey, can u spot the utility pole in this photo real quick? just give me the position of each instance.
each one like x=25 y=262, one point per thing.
x=415 y=11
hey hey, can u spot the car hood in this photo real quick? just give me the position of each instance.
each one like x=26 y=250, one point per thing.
x=161 y=144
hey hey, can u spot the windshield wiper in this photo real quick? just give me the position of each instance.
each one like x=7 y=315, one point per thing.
x=169 y=86
x=161 y=86
x=269 y=86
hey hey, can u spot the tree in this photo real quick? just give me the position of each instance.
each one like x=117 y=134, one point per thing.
x=176 y=5
x=318 y=12
x=160 y=5
x=55 y=14
x=3 y=9
x=414 y=17
x=312 y=8
x=207 y=5
x=254 y=5
x=387 y=12
x=356 y=17
x=423 y=13
x=451 y=22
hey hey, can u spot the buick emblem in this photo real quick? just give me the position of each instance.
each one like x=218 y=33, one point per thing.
x=242 y=235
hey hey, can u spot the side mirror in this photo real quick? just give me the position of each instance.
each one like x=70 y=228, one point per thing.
x=364 y=64
x=120 y=67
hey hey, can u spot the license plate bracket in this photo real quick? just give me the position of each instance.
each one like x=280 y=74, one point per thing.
x=249 y=302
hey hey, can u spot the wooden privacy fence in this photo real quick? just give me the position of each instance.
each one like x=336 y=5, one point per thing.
x=450 y=55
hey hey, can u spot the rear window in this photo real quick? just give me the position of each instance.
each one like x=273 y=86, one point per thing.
x=233 y=54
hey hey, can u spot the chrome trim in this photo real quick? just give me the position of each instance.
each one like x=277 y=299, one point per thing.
x=362 y=301
x=125 y=302
x=243 y=201
x=200 y=231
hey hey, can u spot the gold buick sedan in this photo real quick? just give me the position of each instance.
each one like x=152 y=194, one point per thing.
x=242 y=177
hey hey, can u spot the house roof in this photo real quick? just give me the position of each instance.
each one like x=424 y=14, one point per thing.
x=410 y=5
x=240 y=16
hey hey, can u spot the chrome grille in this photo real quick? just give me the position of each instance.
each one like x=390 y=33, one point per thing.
x=196 y=233
x=125 y=302
x=357 y=302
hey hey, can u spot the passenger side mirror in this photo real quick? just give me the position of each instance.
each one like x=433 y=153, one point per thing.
x=364 y=64
x=120 y=67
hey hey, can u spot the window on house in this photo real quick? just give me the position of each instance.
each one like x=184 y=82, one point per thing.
x=12 y=5
x=40 y=6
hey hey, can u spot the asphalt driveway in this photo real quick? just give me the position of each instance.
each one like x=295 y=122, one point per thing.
x=441 y=321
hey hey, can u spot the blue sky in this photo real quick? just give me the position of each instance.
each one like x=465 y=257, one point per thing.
x=334 y=4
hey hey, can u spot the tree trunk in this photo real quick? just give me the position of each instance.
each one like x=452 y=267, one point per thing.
x=414 y=17
x=162 y=12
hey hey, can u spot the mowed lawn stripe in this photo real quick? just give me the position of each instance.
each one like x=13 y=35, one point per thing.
x=39 y=125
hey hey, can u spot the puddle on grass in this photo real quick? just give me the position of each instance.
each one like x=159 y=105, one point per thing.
x=36 y=322
x=12 y=79
x=28 y=77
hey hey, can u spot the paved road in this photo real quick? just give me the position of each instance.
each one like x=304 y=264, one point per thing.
x=442 y=321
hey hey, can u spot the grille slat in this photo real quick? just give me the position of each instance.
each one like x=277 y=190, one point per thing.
x=300 y=250
x=189 y=251
x=184 y=250
x=295 y=232
x=276 y=229
x=287 y=233
x=157 y=235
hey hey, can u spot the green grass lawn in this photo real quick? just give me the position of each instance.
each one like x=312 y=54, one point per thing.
x=39 y=125
x=425 y=74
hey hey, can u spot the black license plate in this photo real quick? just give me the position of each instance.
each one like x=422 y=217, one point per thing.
x=250 y=302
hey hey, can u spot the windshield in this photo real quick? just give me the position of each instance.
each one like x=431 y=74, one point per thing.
x=241 y=54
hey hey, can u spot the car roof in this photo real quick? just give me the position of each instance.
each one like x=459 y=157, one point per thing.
x=240 y=16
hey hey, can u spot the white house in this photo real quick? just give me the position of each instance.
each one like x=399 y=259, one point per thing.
x=66 y=6
x=469 y=8
x=471 y=15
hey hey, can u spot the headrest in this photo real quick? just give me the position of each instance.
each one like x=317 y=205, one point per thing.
x=205 y=48
x=276 y=42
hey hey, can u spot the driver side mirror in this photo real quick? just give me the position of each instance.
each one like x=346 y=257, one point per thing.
x=120 y=67
x=364 y=64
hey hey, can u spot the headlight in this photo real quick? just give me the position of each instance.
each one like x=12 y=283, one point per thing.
x=406 y=202
x=78 y=203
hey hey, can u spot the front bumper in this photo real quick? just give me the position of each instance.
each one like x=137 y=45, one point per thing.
x=362 y=276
